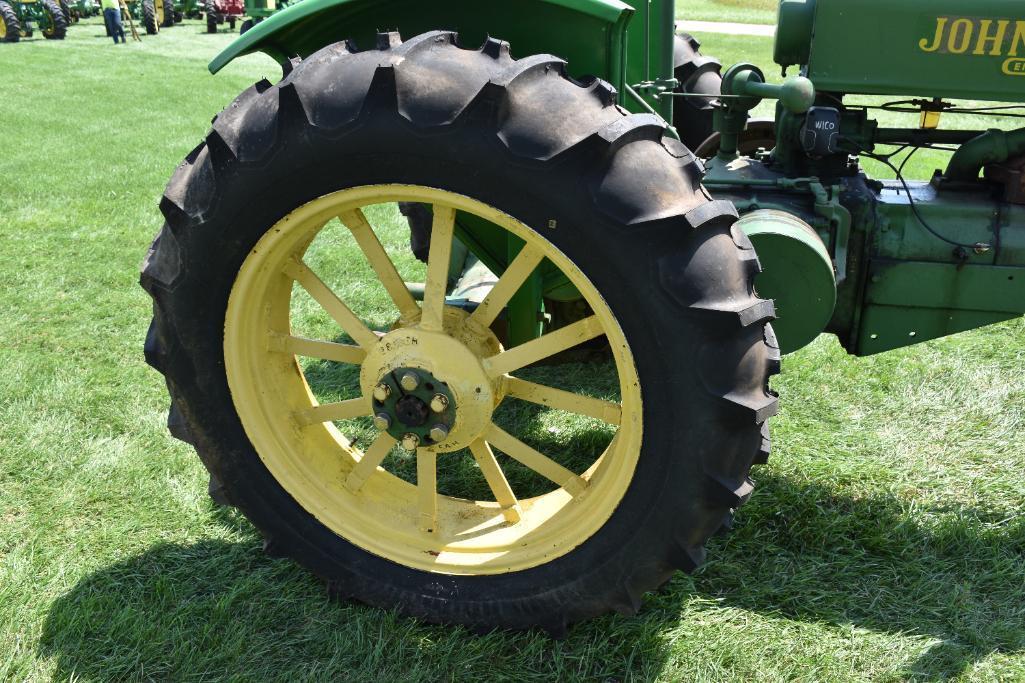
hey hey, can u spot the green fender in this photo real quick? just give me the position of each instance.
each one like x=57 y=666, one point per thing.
x=589 y=34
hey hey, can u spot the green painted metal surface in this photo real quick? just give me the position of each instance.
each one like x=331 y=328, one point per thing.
x=929 y=48
x=909 y=302
x=581 y=30
x=796 y=272
x=623 y=44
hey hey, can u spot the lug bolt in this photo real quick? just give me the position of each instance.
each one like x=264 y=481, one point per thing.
x=382 y=391
x=409 y=381
x=410 y=442
x=382 y=421
x=439 y=403
x=439 y=433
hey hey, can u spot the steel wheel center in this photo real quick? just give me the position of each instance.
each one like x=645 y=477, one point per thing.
x=414 y=406
x=430 y=389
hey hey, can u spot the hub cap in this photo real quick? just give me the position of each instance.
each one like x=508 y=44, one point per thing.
x=431 y=384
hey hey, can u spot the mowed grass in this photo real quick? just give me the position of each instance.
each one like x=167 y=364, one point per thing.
x=885 y=541
x=740 y=11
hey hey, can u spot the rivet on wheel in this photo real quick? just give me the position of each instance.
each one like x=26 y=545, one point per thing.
x=409 y=381
x=439 y=403
x=439 y=433
x=410 y=442
x=382 y=391
x=382 y=421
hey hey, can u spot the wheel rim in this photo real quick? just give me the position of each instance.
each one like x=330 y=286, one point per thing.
x=3 y=28
x=51 y=23
x=350 y=489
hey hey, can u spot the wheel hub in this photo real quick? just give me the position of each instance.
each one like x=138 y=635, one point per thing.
x=430 y=389
x=410 y=400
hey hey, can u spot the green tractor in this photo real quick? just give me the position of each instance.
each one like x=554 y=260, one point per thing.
x=20 y=18
x=258 y=10
x=178 y=11
x=152 y=14
x=561 y=405
x=83 y=9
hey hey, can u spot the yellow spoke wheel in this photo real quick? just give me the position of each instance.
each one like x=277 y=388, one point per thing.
x=404 y=450
x=386 y=515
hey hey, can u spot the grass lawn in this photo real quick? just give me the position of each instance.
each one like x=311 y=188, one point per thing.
x=742 y=11
x=885 y=542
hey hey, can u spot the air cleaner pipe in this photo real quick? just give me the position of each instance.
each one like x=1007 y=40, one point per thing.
x=992 y=147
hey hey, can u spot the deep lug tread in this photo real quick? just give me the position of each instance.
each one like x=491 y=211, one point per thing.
x=388 y=40
x=267 y=119
x=687 y=557
x=765 y=450
x=153 y=349
x=178 y=426
x=631 y=129
x=730 y=493
x=218 y=493
x=162 y=264
x=496 y=49
x=714 y=213
x=757 y=408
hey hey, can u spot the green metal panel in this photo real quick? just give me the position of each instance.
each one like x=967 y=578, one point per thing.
x=931 y=48
x=588 y=33
x=908 y=302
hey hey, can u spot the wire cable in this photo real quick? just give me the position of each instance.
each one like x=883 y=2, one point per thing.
x=899 y=173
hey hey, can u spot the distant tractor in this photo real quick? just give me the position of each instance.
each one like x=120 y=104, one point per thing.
x=83 y=9
x=223 y=12
x=468 y=329
x=258 y=10
x=152 y=14
x=20 y=18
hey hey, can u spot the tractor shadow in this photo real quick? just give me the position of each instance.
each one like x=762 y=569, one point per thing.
x=798 y=552
x=802 y=552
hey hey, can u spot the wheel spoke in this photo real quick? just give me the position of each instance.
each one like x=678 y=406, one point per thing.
x=510 y=282
x=495 y=477
x=312 y=348
x=427 y=488
x=544 y=347
x=346 y=319
x=367 y=240
x=328 y=412
x=606 y=411
x=368 y=464
x=438 y=259
x=540 y=463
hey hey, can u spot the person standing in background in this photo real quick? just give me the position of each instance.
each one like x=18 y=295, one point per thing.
x=112 y=18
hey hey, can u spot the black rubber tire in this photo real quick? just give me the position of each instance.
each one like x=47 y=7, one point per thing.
x=56 y=15
x=631 y=213
x=212 y=18
x=698 y=75
x=245 y=26
x=66 y=11
x=149 y=17
x=11 y=23
x=168 y=21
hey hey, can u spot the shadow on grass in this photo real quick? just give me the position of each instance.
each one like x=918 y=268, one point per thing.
x=215 y=609
x=803 y=552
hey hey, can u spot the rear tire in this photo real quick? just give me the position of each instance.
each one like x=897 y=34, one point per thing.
x=620 y=200
x=698 y=75
x=245 y=26
x=212 y=18
x=11 y=26
x=168 y=10
x=58 y=25
x=149 y=17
